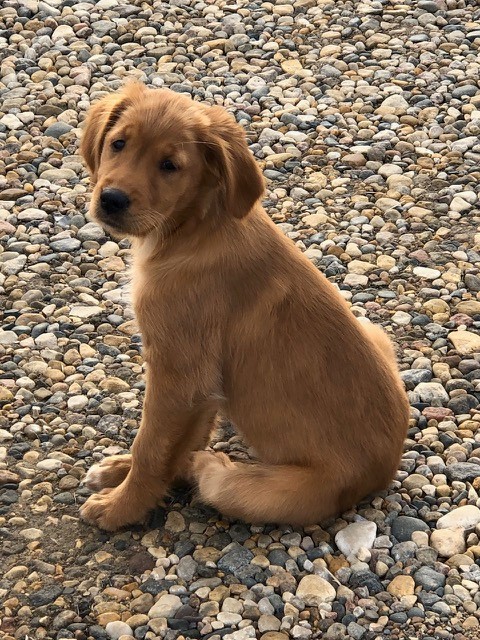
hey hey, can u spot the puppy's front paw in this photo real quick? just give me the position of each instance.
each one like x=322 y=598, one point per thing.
x=109 y=473
x=111 y=510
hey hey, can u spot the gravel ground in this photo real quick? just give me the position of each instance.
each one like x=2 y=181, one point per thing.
x=365 y=117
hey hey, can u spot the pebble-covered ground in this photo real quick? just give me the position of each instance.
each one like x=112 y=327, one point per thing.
x=365 y=116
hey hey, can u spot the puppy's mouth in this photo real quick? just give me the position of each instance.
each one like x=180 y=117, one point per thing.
x=116 y=224
x=125 y=223
x=118 y=221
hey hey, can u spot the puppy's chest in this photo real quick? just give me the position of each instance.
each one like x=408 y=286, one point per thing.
x=155 y=302
x=167 y=303
x=150 y=302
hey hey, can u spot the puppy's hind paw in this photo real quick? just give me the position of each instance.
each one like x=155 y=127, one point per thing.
x=204 y=461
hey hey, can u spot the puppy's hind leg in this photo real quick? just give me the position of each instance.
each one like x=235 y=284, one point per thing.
x=266 y=493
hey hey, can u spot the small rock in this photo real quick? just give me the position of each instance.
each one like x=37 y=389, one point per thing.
x=355 y=159
x=415 y=481
x=314 y=590
x=462 y=471
x=11 y=122
x=448 y=542
x=356 y=280
x=465 y=342
x=401 y=318
x=58 y=129
x=360 y=267
x=65 y=244
x=404 y=526
x=469 y=307
x=166 y=607
x=393 y=105
x=117 y=629
x=268 y=623
x=8 y=337
x=31 y=534
x=77 y=403
x=235 y=559
x=427 y=274
x=429 y=579
x=465 y=517
x=175 y=522
x=64 y=32
x=315 y=219
x=13 y=266
x=58 y=174
x=401 y=586
x=291 y=66
x=431 y=391
x=355 y=536
x=5 y=395
x=90 y=231
x=31 y=214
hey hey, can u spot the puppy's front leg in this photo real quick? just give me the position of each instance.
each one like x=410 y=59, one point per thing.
x=172 y=426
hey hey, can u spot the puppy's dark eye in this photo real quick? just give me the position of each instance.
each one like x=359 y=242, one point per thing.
x=118 y=145
x=167 y=165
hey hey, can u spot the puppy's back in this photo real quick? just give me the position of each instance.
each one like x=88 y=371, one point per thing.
x=302 y=371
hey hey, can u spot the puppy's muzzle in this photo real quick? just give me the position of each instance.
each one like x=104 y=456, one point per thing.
x=113 y=203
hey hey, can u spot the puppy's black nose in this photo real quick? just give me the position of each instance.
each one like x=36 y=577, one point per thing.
x=114 y=201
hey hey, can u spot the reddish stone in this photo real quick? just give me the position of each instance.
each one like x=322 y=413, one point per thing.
x=437 y=413
x=461 y=318
x=421 y=255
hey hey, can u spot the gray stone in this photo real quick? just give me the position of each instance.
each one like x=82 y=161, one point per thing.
x=187 y=568
x=356 y=631
x=404 y=526
x=116 y=629
x=90 y=231
x=462 y=471
x=412 y=377
x=429 y=5
x=65 y=244
x=11 y=267
x=431 y=391
x=429 y=579
x=58 y=129
x=237 y=558
x=466 y=90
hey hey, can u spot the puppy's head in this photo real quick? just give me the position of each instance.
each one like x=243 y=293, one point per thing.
x=159 y=160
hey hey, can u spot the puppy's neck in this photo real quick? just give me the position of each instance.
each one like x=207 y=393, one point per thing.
x=202 y=243
x=188 y=241
x=144 y=249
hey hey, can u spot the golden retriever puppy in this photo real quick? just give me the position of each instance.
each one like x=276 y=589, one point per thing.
x=235 y=321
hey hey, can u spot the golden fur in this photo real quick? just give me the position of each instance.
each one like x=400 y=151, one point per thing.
x=235 y=320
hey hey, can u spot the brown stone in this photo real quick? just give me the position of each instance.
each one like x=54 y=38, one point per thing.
x=401 y=586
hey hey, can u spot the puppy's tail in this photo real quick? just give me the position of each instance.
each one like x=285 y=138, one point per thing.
x=383 y=343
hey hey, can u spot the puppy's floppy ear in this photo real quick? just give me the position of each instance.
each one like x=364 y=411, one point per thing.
x=100 y=119
x=237 y=176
